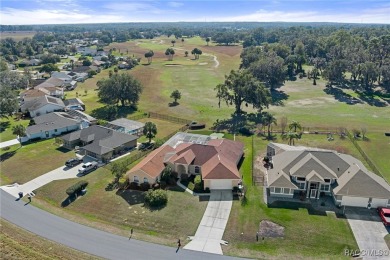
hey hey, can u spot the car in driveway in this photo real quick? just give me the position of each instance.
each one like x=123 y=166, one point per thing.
x=73 y=162
x=384 y=213
x=88 y=167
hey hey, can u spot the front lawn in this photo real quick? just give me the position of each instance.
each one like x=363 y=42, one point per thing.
x=32 y=160
x=306 y=235
x=117 y=212
x=6 y=125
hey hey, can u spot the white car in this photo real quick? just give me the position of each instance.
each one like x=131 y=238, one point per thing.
x=88 y=167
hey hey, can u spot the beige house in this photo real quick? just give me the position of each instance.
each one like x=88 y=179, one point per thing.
x=315 y=172
x=216 y=161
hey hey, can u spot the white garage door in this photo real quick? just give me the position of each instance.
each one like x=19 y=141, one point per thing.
x=378 y=203
x=354 y=201
x=221 y=185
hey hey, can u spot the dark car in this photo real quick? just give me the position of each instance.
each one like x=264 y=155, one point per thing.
x=73 y=162
x=384 y=213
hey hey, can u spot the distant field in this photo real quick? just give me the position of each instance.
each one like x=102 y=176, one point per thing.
x=17 y=36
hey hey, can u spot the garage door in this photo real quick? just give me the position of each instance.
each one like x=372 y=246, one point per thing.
x=221 y=185
x=354 y=201
x=378 y=203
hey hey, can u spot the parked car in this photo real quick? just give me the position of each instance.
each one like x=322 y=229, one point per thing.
x=88 y=167
x=145 y=146
x=384 y=213
x=73 y=162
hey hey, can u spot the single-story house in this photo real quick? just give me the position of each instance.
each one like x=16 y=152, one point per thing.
x=51 y=82
x=74 y=104
x=318 y=172
x=82 y=116
x=42 y=105
x=62 y=76
x=100 y=142
x=127 y=126
x=31 y=62
x=216 y=161
x=54 y=124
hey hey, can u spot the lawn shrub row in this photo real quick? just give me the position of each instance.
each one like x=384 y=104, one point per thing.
x=76 y=188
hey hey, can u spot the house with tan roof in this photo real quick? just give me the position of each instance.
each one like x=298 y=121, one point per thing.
x=312 y=172
x=216 y=161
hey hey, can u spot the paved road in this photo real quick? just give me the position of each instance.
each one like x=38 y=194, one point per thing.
x=87 y=239
x=208 y=237
x=369 y=233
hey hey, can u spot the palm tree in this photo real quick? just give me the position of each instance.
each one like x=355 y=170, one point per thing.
x=291 y=136
x=173 y=43
x=20 y=131
x=150 y=130
x=268 y=120
x=186 y=54
x=295 y=125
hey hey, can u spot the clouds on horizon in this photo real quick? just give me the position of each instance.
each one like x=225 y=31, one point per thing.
x=88 y=11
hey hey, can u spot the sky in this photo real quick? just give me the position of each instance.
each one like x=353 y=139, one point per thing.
x=14 y=12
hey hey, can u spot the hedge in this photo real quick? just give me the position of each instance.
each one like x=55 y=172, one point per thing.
x=76 y=188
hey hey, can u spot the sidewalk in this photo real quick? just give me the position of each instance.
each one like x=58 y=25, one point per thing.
x=9 y=143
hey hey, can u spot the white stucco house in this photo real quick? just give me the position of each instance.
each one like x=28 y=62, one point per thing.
x=313 y=173
x=42 y=105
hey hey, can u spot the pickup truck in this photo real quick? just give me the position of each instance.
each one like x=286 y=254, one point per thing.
x=88 y=167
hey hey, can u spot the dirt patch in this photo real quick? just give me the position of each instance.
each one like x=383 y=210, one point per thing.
x=311 y=101
x=270 y=229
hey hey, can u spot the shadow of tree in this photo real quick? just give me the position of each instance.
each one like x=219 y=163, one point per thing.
x=232 y=125
x=341 y=96
x=6 y=156
x=278 y=97
x=372 y=100
x=111 y=112
x=4 y=125
x=132 y=197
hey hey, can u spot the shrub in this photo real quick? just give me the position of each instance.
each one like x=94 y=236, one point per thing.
x=191 y=185
x=245 y=131
x=134 y=186
x=76 y=188
x=163 y=184
x=156 y=198
x=198 y=184
x=145 y=186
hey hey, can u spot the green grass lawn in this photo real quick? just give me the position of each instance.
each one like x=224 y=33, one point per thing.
x=306 y=236
x=377 y=147
x=119 y=211
x=6 y=125
x=32 y=160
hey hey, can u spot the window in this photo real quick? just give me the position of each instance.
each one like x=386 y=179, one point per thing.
x=286 y=190
x=146 y=180
x=301 y=185
x=301 y=178
x=136 y=179
x=327 y=180
x=272 y=189
x=339 y=197
x=55 y=130
x=278 y=190
x=324 y=187
x=197 y=169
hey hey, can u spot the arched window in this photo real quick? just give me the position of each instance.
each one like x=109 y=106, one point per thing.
x=146 y=180
x=136 y=179
x=197 y=169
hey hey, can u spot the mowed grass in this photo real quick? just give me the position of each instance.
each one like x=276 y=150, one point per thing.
x=17 y=243
x=377 y=147
x=6 y=125
x=118 y=211
x=164 y=128
x=306 y=236
x=17 y=36
x=23 y=164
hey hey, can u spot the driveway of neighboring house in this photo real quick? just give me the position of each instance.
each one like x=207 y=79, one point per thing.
x=9 y=143
x=60 y=173
x=208 y=237
x=369 y=233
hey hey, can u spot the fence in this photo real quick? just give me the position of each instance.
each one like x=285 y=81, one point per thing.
x=364 y=155
x=138 y=117
x=169 y=118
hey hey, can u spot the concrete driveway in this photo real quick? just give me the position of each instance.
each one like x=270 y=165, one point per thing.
x=208 y=237
x=369 y=233
x=60 y=173
x=9 y=143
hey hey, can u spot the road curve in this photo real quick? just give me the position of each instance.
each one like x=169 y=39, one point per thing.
x=86 y=239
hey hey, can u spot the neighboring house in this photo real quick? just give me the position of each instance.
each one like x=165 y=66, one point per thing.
x=42 y=105
x=216 y=161
x=11 y=66
x=123 y=65
x=51 y=82
x=31 y=62
x=127 y=126
x=74 y=104
x=86 y=51
x=62 y=76
x=98 y=63
x=100 y=142
x=54 y=124
x=31 y=94
x=81 y=115
x=318 y=172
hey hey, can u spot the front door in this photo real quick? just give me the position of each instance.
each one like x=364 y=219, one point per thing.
x=313 y=193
